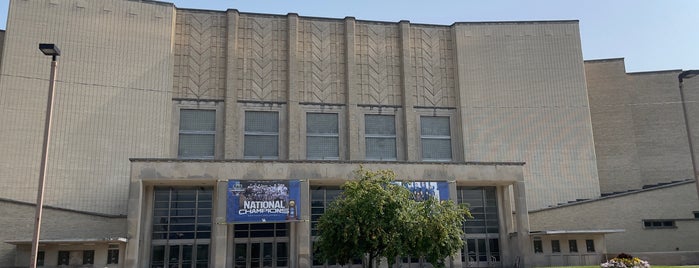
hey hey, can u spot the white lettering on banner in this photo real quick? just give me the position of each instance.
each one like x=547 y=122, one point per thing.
x=272 y=207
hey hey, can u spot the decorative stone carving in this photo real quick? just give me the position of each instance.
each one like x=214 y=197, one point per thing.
x=200 y=55
x=262 y=58
x=321 y=67
x=378 y=64
x=433 y=60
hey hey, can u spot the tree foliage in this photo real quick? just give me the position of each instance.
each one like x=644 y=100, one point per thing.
x=376 y=218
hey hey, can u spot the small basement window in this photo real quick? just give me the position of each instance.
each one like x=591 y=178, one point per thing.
x=658 y=224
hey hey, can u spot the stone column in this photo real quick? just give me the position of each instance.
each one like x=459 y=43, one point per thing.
x=303 y=228
x=453 y=196
x=219 y=232
x=522 y=223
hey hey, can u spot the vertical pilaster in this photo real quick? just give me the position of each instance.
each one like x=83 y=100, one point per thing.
x=232 y=143
x=453 y=196
x=219 y=232
x=292 y=139
x=410 y=143
x=461 y=98
x=352 y=135
x=303 y=227
x=505 y=219
x=522 y=223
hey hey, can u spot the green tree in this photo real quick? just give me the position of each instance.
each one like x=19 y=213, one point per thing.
x=376 y=218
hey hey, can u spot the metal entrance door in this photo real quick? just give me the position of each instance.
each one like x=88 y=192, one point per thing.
x=482 y=252
x=180 y=256
x=258 y=254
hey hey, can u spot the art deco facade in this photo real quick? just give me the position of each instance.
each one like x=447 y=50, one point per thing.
x=159 y=108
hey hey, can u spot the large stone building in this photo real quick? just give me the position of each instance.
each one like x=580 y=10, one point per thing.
x=163 y=117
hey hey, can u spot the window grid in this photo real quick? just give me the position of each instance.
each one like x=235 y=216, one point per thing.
x=182 y=213
x=590 y=245
x=197 y=134
x=659 y=224
x=380 y=137
x=483 y=205
x=435 y=135
x=322 y=136
x=573 y=246
x=88 y=257
x=113 y=254
x=261 y=135
x=555 y=246
x=321 y=197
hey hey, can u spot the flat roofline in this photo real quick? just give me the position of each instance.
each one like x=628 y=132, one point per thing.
x=111 y=216
x=603 y=60
x=372 y=21
x=71 y=241
x=656 y=72
x=558 y=232
x=672 y=184
x=176 y=160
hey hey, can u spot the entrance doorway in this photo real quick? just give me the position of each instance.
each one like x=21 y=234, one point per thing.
x=261 y=245
x=481 y=252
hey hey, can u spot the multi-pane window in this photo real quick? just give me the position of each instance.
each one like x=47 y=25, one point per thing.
x=113 y=254
x=182 y=213
x=380 y=137
x=181 y=226
x=555 y=246
x=573 y=246
x=40 y=256
x=321 y=197
x=88 y=257
x=538 y=246
x=483 y=205
x=197 y=136
x=658 y=224
x=63 y=257
x=322 y=136
x=590 y=245
x=435 y=135
x=261 y=135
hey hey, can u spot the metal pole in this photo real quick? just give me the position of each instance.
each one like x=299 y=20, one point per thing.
x=680 y=78
x=42 y=171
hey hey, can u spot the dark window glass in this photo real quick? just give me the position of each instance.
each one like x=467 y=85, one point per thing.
x=482 y=202
x=590 y=244
x=538 y=246
x=573 y=246
x=555 y=246
x=88 y=256
x=658 y=224
x=696 y=214
x=40 y=258
x=113 y=255
x=63 y=257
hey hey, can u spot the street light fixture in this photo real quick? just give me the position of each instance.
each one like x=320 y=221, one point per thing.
x=53 y=51
x=680 y=78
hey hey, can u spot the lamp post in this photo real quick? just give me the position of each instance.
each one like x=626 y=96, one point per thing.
x=53 y=51
x=680 y=78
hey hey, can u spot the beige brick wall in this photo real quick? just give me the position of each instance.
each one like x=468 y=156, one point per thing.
x=627 y=212
x=113 y=98
x=56 y=224
x=611 y=101
x=659 y=127
x=523 y=98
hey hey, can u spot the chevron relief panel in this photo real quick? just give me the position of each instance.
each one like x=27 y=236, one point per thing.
x=322 y=61
x=378 y=63
x=200 y=55
x=262 y=55
x=433 y=66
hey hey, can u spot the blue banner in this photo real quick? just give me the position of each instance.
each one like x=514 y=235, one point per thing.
x=421 y=190
x=263 y=201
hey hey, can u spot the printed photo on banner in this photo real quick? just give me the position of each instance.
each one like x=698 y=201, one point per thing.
x=421 y=190
x=262 y=201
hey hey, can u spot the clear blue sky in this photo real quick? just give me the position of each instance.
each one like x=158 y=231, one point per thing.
x=650 y=34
